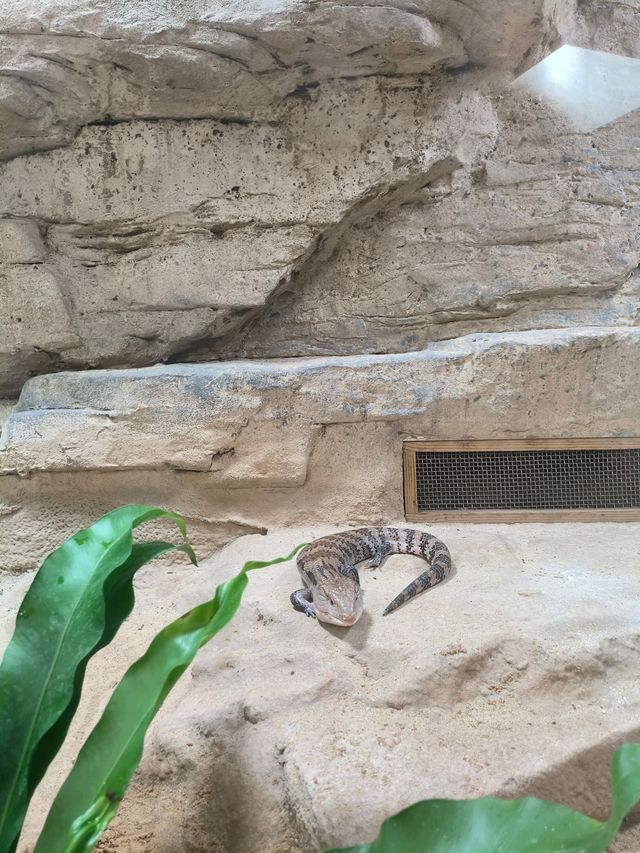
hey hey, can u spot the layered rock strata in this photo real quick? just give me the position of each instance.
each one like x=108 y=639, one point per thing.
x=296 y=178
x=263 y=443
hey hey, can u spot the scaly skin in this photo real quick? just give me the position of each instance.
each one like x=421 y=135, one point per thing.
x=328 y=568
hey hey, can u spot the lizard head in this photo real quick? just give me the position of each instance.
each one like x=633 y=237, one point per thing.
x=338 y=601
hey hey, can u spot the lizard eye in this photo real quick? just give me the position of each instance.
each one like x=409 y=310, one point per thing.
x=331 y=601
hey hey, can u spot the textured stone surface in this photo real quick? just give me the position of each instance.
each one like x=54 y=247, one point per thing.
x=518 y=676
x=544 y=235
x=250 y=424
x=604 y=25
x=160 y=234
x=249 y=446
x=176 y=175
x=255 y=445
x=44 y=508
x=67 y=67
x=6 y=407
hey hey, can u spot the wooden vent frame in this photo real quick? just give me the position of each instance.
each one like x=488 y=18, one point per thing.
x=414 y=513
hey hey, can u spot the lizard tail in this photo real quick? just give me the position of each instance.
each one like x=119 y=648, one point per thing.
x=435 y=574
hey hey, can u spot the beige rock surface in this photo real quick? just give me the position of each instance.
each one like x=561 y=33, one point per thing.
x=68 y=67
x=543 y=235
x=603 y=24
x=161 y=235
x=253 y=423
x=246 y=446
x=177 y=174
x=517 y=676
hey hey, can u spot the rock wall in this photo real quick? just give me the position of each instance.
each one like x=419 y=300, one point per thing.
x=149 y=236
x=543 y=233
x=251 y=445
x=297 y=178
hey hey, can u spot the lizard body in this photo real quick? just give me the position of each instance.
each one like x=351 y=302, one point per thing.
x=328 y=567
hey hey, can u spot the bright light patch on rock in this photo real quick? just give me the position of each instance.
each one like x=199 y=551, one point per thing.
x=592 y=88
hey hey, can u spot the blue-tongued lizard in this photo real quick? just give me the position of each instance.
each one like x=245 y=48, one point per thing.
x=328 y=567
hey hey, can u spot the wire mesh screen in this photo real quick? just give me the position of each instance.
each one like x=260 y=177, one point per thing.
x=528 y=479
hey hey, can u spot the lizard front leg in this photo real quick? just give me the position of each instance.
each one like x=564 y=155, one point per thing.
x=302 y=600
x=381 y=552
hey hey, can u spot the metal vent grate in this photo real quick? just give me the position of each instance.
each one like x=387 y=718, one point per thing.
x=507 y=480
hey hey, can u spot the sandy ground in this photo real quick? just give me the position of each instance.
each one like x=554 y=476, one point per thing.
x=519 y=675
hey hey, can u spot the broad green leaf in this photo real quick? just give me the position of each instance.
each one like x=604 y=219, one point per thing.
x=75 y=604
x=92 y=792
x=491 y=825
x=625 y=787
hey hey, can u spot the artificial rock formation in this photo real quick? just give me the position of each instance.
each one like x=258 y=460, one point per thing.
x=241 y=446
x=157 y=250
x=266 y=179
x=297 y=178
x=254 y=423
x=542 y=234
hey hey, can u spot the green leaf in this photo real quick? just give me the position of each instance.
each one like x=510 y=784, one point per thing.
x=75 y=604
x=625 y=787
x=528 y=825
x=90 y=796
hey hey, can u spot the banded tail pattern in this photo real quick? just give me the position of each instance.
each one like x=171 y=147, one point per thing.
x=407 y=541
